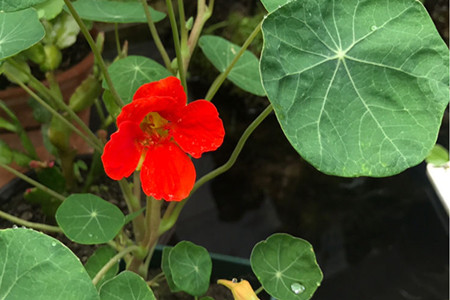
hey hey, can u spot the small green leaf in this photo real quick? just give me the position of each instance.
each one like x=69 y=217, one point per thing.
x=6 y=155
x=65 y=30
x=191 y=267
x=115 y=11
x=126 y=286
x=271 y=5
x=286 y=267
x=130 y=73
x=96 y=262
x=17 y=74
x=438 y=156
x=35 y=264
x=4 y=124
x=49 y=9
x=111 y=106
x=47 y=204
x=85 y=94
x=20 y=30
x=15 y=5
x=88 y=219
x=166 y=269
x=359 y=88
x=245 y=73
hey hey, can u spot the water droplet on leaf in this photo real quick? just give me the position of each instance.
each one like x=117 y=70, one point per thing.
x=234 y=280
x=15 y=226
x=297 y=288
x=53 y=244
x=374 y=27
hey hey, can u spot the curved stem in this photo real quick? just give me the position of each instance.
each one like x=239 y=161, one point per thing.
x=133 y=206
x=117 y=38
x=33 y=182
x=38 y=226
x=96 y=52
x=221 y=78
x=155 y=36
x=92 y=143
x=112 y=262
x=171 y=215
x=176 y=42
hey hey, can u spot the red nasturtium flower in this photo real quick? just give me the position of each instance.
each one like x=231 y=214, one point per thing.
x=155 y=131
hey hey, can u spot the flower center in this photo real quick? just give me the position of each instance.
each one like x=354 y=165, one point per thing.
x=154 y=125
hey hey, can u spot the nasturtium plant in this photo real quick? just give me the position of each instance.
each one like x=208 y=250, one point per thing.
x=19 y=31
x=245 y=74
x=97 y=260
x=88 y=219
x=190 y=266
x=359 y=87
x=129 y=73
x=115 y=11
x=126 y=286
x=33 y=263
x=286 y=267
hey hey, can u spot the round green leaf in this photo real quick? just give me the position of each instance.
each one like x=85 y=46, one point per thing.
x=126 y=286
x=96 y=262
x=191 y=267
x=245 y=73
x=19 y=31
x=15 y=5
x=130 y=73
x=359 y=87
x=286 y=267
x=88 y=219
x=166 y=269
x=115 y=11
x=49 y=9
x=38 y=266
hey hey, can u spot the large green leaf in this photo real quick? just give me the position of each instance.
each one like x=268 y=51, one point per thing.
x=19 y=31
x=245 y=73
x=286 y=267
x=37 y=266
x=126 y=286
x=130 y=73
x=115 y=11
x=359 y=87
x=88 y=219
x=271 y=5
x=15 y=5
x=166 y=269
x=191 y=267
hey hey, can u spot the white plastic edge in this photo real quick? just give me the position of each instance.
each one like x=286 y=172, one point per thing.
x=440 y=179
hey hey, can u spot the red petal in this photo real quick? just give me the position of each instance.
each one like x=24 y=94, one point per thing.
x=199 y=128
x=138 y=109
x=167 y=173
x=123 y=151
x=167 y=87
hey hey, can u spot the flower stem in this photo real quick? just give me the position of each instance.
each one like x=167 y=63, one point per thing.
x=33 y=182
x=221 y=78
x=117 y=38
x=133 y=206
x=259 y=290
x=112 y=262
x=155 y=36
x=38 y=226
x=176 y=42
x=174 y=209
x=92 y=142
x=96 y=52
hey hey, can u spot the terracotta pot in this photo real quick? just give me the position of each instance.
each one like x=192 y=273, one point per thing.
x=16 y=98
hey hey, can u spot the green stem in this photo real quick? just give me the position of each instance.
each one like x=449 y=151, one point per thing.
x=183 y=29
x=38 y=226
x=133 y=206
x=96 y=52
x=259 y=290
x=112 y=262
x=171 y=215
x=33 y=182
x=221 y=78
x=92 y=143
x=176 y=42
x=155 y=36
x=117 y=38
x=204 y=12
x=56 y=100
